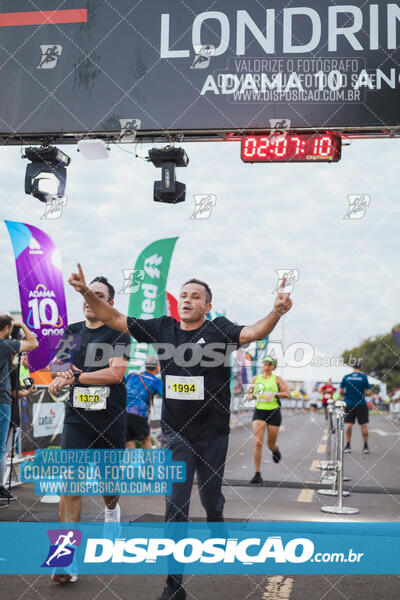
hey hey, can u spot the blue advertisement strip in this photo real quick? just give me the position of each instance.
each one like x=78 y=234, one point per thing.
x=103 y=472
x=208 y=548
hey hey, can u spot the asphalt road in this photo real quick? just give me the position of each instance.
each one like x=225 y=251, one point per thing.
x=206 y=587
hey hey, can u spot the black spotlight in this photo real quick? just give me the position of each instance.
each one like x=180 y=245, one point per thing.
x=168 y=189
x=46 y=174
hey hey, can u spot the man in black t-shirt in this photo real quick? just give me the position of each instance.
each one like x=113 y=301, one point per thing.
x=194 y=357
x=91 y=354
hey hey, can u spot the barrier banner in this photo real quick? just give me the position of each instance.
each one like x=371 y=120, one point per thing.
x=203 y=548
x=42 y=420
x=41 y=289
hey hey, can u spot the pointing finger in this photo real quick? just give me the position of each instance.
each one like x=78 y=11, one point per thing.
x=283 y=284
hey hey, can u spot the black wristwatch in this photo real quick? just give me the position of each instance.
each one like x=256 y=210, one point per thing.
x=76 y=375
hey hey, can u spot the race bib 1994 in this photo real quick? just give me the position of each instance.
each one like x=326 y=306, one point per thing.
x=184 y=388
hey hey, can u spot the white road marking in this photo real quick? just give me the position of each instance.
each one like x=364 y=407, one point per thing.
x=321 y=449
x=306 y=495
x=384 y=433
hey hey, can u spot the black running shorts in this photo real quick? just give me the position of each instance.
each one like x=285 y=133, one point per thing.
x=359 y=412
x=82 y=436
x=271 y=417
x=137 y=428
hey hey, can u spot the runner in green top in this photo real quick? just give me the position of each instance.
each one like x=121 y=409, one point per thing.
x=267 y=388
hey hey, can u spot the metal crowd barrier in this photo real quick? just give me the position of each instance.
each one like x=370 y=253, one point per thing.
x=334 y=469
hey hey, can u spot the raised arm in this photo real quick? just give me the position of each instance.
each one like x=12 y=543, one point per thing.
x=30 y=342
x=109 y=315
x=262 y=328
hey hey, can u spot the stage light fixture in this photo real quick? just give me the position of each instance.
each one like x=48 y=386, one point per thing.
x=168 y=190
x=46 y=174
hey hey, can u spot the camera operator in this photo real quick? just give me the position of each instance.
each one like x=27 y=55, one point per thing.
x=25 y=388
x=15 y=330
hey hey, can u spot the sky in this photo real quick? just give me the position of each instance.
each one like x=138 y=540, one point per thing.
x=266 y=217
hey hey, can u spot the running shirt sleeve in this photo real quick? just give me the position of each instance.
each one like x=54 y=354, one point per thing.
x=343 y=383
x=157 y=387
x=145 y=330
x=228 y=330
x=367 y=383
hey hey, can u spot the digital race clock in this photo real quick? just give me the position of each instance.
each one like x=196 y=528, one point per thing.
x=291 y=147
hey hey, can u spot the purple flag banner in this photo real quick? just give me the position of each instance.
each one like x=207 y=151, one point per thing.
x=41 y=289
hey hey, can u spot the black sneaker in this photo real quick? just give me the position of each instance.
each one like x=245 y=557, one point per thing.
x=257 y=478
x=276 y=455
x=365 y=449
x=347 y=449
x=173 y=591
x=4 y=495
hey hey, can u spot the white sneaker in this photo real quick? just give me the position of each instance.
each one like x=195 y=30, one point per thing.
x=112 y=527
x=115 y=518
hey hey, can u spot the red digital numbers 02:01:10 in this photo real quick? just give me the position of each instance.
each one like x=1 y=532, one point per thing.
x=291 y=147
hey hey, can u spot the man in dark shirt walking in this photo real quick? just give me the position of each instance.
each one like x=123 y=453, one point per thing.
x=195 y=366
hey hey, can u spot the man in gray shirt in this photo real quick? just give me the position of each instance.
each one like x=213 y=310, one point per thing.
x=8 y=348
